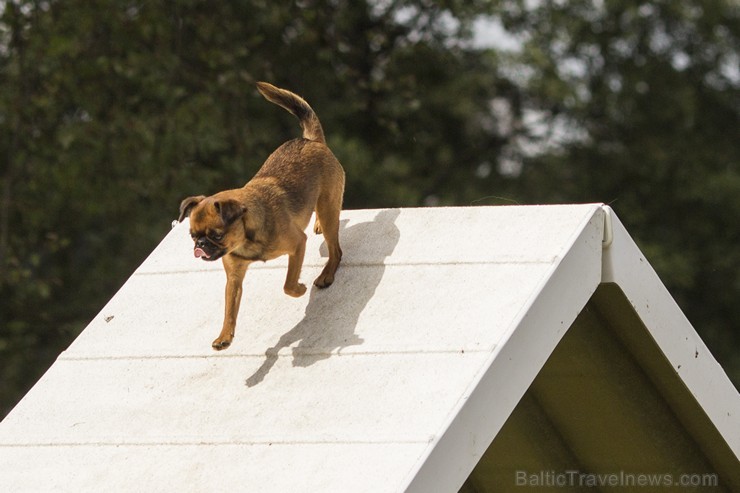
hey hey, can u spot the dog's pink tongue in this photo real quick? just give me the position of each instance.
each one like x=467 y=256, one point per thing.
x=199 y=252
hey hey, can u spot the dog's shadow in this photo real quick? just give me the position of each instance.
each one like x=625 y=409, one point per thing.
x=331 y=315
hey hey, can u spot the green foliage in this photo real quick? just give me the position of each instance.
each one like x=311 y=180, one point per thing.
x=652 y=88
x=111 y=112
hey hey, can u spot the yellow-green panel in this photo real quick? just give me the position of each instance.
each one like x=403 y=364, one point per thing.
x=606 y=413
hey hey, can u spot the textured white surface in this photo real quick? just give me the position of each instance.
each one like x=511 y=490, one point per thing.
x=352 y=388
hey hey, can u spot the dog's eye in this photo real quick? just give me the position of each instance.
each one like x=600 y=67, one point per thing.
x=217 y=236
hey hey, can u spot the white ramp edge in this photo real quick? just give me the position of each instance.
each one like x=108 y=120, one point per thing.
x=437 y=323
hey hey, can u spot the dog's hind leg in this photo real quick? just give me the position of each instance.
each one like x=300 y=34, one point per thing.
x=327 y=212
x=295 y=262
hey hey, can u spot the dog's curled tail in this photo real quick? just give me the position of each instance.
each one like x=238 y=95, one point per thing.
x=298 y=106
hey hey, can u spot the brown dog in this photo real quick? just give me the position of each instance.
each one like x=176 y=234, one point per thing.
x=267 y=217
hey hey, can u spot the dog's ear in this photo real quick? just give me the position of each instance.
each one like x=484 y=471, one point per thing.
x=229 y=210
x=187 y=204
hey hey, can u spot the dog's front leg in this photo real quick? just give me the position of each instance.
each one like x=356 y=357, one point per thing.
x=235 y=270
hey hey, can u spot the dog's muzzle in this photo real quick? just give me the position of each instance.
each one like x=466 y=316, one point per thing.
x=205 y=249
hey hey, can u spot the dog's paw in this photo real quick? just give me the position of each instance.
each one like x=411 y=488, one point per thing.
x=295 y=291
x=221 y=343
x=324 y=281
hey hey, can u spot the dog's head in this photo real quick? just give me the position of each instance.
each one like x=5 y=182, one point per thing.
x=214 y=224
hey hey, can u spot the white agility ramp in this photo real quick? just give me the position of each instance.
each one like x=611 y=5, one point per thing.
x=457 y=348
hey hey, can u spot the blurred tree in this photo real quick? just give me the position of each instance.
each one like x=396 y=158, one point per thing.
x=112 y=111
x=638 y=105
